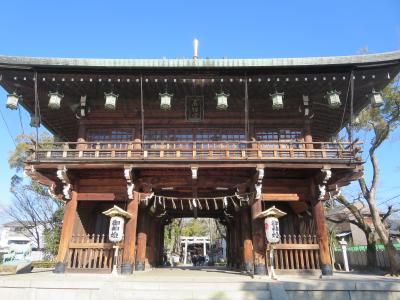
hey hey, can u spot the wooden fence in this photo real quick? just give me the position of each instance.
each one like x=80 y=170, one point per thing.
x=92 y=252
x=358 y=258
x=297 y=252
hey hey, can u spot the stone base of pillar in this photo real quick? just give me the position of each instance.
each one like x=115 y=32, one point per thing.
x=260 y=270
x=126 y=268
x=59 y=268
x=248 y=267
x=327 y=270
x=139 y=266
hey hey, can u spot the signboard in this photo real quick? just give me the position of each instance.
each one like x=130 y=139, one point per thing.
x=194 y=108
x=116 y=231
x=272 y=229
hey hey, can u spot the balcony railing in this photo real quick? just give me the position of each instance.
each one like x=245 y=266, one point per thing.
x=197 y=151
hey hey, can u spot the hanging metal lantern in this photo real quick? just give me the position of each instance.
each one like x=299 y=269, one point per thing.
x=35 y=121
x=165 y=101
x=333 y=99
x=277 y=100
x=55 y=100
x=111 y=101
x=376 y=98
x=222 y=101
x=12 y=101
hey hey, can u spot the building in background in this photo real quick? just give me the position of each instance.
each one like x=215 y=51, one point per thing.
x=17 y=233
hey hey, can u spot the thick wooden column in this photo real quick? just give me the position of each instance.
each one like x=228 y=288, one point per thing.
x=308 y=136
x=258 y=236
x=238 y=241
x=234 y=245
x=323 y=237
x=153 y=243
x=161 y=244
x=248 y=264
x=81 y=136
x=67 y=229
x=141 y=241
x=128 y=258
x=228 y=245
x=319 y=215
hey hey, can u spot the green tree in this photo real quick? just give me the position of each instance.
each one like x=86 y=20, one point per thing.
x=32 y=206
x=195 y=227
x=380 y=121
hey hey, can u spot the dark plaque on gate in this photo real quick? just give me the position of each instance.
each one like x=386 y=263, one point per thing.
x=194 y=108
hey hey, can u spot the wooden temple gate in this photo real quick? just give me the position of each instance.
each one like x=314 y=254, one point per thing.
x=162 y=139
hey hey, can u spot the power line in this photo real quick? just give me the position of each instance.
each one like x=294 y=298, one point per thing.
x=8 y=128
x=385 y=201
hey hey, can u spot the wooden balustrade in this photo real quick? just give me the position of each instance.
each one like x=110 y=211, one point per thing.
x=92 y=252
x=230 y=150
x=298 y=252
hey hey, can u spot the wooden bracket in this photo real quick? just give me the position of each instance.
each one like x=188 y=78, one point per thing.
x=194 y=172
x=129 y=179
x=63 y=176
x=35 y=175
x=326 y=174
x=258 y=185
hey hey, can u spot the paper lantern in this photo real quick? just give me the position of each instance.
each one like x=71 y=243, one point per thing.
x=55 y=100
x=165 y=101
x=376 y=98
x=333 y=99
x=111 y=101
x=222 y=101
x=12 y=101
x=277 y=100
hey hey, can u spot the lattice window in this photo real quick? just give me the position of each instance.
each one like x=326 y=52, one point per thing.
x=278 y=135
x=109 y=138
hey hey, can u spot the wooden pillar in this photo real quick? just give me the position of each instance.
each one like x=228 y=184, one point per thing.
x=161 y=244
x=153 y=238
x=258 y=236
x=248 y=264
x=152 y=241
x=238 y=242
x=234 y=245
x=323 y=237
x=141 y=241
x=228 y=245
x=67 y=229
x=308 y=137
x=128 y=258
x=81 y=136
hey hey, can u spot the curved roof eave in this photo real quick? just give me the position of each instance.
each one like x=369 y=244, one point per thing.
x=32 y=62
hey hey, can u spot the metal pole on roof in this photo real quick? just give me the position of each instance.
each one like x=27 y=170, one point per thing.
x=142 y=106
x=36 y=111
x=246 y=110
x=351 y=107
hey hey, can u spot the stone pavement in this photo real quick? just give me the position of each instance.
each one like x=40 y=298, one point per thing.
x=195 y=283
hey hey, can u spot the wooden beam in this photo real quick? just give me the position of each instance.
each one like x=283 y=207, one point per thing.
x=96 y=197
x=282 y=197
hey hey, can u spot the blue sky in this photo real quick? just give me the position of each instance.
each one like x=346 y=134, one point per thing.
x=155 y=29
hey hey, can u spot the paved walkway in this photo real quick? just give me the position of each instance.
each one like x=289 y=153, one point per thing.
x=195 y=283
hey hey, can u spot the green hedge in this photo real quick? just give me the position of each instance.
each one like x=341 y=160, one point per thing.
x=364 y=247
